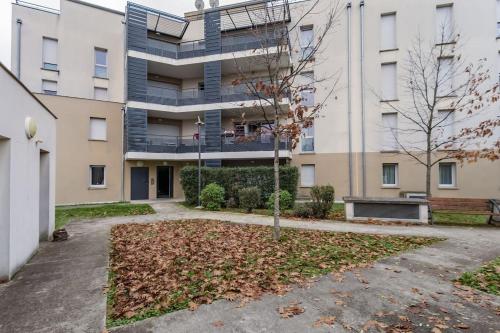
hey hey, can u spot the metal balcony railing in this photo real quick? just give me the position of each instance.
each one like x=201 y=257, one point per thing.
x=229 y=143
x=181 y=97
x=229 y=43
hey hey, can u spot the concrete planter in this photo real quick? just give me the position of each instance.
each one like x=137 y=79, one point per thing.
x=387 y=210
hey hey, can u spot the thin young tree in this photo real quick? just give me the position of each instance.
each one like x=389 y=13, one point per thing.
x=442 y=92
x=283 y=58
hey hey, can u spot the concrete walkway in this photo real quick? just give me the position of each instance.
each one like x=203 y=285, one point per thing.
x=62 y=288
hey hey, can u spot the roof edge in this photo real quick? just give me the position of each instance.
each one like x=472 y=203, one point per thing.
x=26 y=88
x=110 y=10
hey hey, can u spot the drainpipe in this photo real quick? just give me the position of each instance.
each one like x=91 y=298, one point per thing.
x=349 y=92
x=18 y=60
x=122 y=194
x=363 y=136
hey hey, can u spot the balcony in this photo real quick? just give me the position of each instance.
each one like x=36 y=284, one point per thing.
x=229 y=144
x=229 y=43
x=183 y=97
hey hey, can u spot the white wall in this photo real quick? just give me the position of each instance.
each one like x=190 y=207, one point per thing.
x=22 y=224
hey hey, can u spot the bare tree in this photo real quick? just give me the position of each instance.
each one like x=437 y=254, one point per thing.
x=283 y=59
x=441 y=92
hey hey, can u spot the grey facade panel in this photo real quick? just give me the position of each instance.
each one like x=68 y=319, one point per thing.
x=213 y=163
x=213 y=130
x=137 y=78
x=212 y=79
x=136 y=126
x=388 y=211
x=137 y=31
x=212 y=33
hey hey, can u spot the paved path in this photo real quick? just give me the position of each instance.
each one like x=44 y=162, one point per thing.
x=61 y=288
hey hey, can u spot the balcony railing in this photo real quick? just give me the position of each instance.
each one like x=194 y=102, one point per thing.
x=189 y=144
x=229 y=43
x=181 y=97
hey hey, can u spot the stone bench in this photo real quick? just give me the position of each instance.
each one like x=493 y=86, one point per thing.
x=387 y=209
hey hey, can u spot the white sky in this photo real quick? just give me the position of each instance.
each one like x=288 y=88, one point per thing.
x=178 y=7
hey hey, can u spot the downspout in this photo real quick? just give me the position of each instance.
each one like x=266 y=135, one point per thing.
x=124 y=108
x=18 y=60
x=363 y=136
x=349 y=92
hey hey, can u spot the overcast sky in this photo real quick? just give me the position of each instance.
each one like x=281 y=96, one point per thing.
x=178 y=7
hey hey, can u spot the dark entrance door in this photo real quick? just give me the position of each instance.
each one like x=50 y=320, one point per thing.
x=140 y=184
x=164 y=183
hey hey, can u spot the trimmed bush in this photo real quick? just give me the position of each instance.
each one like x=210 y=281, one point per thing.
x=302 y=210
x=323 y=198
x=249 y=198
x=212 y=197
x=286 y=201
x=234 y=179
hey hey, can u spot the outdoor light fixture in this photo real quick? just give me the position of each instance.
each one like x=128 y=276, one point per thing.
x=30 y=127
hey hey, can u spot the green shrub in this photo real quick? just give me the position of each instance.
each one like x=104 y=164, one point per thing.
x=302 y=210
x=323 y=198
x=249 y=198
x=286 y=201
x=212 y=197
x=234 y=179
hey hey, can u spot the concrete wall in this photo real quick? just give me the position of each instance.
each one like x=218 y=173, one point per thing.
x=75 y=152
x=79 y=29
x=20 y=175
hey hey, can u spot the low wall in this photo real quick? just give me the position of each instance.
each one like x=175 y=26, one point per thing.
x=387 y=209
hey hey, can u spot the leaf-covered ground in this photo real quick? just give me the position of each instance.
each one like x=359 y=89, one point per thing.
x=486 y=278
x=162 y=267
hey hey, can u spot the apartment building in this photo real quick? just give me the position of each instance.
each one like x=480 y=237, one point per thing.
x=168 y=71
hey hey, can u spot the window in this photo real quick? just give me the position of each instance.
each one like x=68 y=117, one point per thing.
x=389 y=174
x=49 y=87
x=388 y=32
x=390 y=132
x=49 y=53
x=97 y=129
x=444 y=24
x=307 y=89
x=97 y=176
x=308 y=139
x=101 y=93
x=498 y=18
x=101 y=63
x=389 y=82
x=307 y=175
x=447 y=174
x=445 y=77
x=306 y=41
x=445 y=128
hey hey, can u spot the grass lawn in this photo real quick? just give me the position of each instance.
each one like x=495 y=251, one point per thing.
x=486 y=278
x=167 y=266
x=460 y=219
x=66 y=214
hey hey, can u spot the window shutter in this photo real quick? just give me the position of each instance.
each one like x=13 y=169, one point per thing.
x=49 y=51
x=444 y=24
x=101 y=94
x=389 y=82
x=445 y=85
x=446 y=129
x=307 y=175
x=388 y=32
x=390 y=124
x=97 y=129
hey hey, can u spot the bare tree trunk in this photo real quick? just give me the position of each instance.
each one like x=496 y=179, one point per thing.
x=276 y=231
x=428 y=168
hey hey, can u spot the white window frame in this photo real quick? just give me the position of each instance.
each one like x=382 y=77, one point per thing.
x=448 y=29
x=394 y=46
x=302 y=184
x=310 y=137
x=453 y=175
x=306 y=47
x=47 y=91
x=90 y=176
x=103 y=138
x=396 y=175
x=96 y=65
x=307 y=93
x=103 y=89
x=51 y=66
x=384 y=94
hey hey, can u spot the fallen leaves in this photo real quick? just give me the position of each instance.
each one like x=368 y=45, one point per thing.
x=291 y=310
x=325 y=321
x=168 y=266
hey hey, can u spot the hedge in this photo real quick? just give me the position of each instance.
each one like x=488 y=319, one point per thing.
x=234 y=179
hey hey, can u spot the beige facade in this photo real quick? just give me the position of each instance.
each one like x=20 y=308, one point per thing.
x=77 y=152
